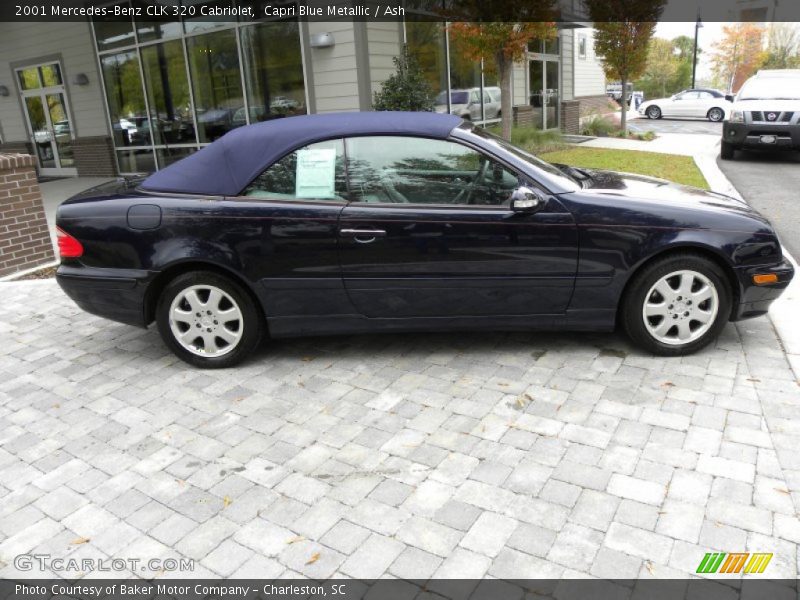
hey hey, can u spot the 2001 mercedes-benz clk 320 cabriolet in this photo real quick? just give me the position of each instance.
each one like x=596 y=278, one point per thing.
x=369 y=222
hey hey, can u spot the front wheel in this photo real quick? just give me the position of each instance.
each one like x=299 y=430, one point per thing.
x=715 y=115
x=677 y=305
x=653 y=112
x=208 y=320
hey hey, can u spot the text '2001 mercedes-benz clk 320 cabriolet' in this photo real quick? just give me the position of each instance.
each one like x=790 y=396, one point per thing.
x=380 y=221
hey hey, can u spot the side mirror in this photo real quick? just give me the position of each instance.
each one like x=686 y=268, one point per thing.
x=524 y=199
x=729 y=97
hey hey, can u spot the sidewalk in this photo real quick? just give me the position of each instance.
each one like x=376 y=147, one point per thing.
x=785 y=312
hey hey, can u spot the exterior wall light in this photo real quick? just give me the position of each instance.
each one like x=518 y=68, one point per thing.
x=322 y=40
x=80 y=79
x=4 y=90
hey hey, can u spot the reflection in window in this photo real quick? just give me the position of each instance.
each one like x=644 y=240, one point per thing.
x=426 y=43
x=114 y=32
x=29 y=78
x=167 y=156
x=44 y=76
x=168 y=93
x=314 y=172
x=129 y=120
x=136 y=161
x=387 y=169
x=273 y=71
x=217 y=84
x=148 y=31
x=196 y=24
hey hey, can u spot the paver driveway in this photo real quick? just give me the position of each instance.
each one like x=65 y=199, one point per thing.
x=509 y=455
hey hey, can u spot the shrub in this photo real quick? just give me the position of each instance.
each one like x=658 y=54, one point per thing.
x=534 y=140
x=598 y=126
x=406 y=89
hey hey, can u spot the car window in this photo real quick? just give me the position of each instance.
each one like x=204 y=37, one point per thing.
x=705 y=95
x=315 y=172
x=486 y=98
x=409 y=170
x=473 y=97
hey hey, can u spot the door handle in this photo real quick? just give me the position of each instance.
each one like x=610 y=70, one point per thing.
x=363 y=236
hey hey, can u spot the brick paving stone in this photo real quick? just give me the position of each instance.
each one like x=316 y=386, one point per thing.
x=402 y=455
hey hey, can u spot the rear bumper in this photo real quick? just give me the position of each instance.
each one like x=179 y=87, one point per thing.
x=755 y=300
x=108 y=293
x=747 y=135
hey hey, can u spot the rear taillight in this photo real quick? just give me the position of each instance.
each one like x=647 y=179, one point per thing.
x=68 y=246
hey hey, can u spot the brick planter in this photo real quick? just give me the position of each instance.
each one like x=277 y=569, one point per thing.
x=24 y=238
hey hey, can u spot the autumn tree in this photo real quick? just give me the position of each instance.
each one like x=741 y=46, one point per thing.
x=738 y=55
x=660 y=70
x=623 y=30
x=497 y=34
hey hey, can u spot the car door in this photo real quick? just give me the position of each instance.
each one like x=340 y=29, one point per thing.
x=689 y=104
x=429 y=232
x=705 y=102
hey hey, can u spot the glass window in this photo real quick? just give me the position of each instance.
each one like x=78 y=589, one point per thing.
x=314 y=172
x=136 y=161
x=129 y=122
x=396 y=169
x=29 y=78
x=167 y=156
x=426 y=43
x=148 y=31
x=168 y=93
x=704 y=95
x=51 y=75
x=114 y=32
x=217 y=83
x=273 y=71
x=195 y=24
x=582 y=45
x=552 y=46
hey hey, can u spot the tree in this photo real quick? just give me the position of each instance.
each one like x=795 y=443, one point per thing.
x=783 y=44
x=738 y=55
x=497 y=34
x=406 y=89
x=623 y=29
x=660 y=70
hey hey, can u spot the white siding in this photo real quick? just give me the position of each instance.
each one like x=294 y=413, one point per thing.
x=519 y=83
x=589 y=77
x=334 y=69
x=567 y=45
x=23 y=42
x=383 y=40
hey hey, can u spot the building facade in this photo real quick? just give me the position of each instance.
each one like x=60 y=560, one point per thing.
x=108 y=98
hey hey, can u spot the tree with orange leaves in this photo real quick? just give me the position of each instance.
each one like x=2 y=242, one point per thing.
x=738 y=55
x=502 y=42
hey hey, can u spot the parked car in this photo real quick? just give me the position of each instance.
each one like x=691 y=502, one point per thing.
x=426 y=222
x=466 y=103
x=765 y=114
x=697 y=103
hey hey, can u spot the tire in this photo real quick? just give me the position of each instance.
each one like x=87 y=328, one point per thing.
x=676 y=323
x=653 y=112
x=727 y=151
x=715 y=115
x=201 y=300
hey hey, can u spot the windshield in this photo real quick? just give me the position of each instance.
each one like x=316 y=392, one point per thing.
x=527 y=157
x=777 y=88
x=455 y=98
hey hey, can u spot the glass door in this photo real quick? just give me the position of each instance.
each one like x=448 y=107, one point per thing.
x=551 y=103
x=544 y=92
x=48 y=119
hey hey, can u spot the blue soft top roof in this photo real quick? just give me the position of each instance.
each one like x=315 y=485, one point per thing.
x=228 y=165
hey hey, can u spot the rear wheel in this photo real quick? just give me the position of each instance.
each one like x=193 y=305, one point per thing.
x=677 y=305
x=726 y=151
x=208 y=320
x=715 y=115
x=653 y=112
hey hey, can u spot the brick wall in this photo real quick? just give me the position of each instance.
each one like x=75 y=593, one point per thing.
x=15 y=148
x=599 y=105
x=24 y=238
x=570 y=116
x=94 y=156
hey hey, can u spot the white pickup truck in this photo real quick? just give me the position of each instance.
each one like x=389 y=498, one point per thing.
x=765 y=114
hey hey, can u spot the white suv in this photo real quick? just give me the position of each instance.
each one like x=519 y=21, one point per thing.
x=765 y=114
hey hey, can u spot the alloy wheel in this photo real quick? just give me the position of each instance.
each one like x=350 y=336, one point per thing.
x=206 y=321
x=680 y=307
x=715 y=115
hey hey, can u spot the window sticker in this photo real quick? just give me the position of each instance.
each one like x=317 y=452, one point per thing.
x=316 y=170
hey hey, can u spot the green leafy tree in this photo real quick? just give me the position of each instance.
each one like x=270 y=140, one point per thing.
x=660 y=71
x=783 y=46
x=406 y=89
x=623 y=30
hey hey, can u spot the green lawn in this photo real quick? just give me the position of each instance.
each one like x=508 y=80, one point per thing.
x=680 y=169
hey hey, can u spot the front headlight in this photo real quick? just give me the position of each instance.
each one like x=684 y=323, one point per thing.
x=737 y=116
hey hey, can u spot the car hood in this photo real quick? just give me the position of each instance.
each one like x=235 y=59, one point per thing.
x=641 y=189
x=771 y=105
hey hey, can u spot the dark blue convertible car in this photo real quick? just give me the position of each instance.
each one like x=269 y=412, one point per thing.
x=368 y=222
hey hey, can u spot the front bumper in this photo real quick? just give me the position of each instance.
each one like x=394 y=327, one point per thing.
x=755 y=300
x=749 y=135
x=107 y=293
